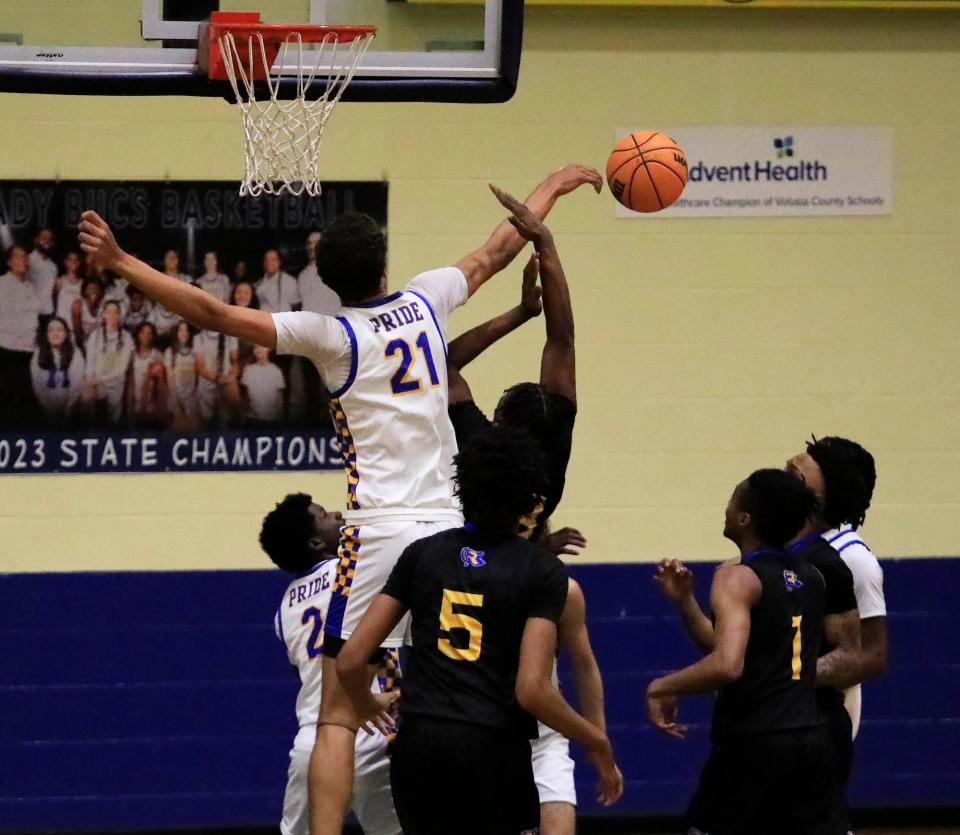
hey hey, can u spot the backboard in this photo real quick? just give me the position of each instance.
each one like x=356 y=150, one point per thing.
x=425 y=50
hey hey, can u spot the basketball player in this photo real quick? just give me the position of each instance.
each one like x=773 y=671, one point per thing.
x=546 y=410
x=383 y=359
x=772 y=765
x=301 y=538
x=485 y=604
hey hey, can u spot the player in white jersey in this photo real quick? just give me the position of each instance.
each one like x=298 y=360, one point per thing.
x=384 y=361
x=301 y=538
x=850 y=471
x=552 y=763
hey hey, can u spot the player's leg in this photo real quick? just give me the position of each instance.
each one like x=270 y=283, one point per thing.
x=296 y=818
x=553 y=774
x=332 y=760
x=372 y=796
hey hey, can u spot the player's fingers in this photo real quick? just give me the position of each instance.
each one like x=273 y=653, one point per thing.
x=92 y=217
x=367 y=728
x=531 y=270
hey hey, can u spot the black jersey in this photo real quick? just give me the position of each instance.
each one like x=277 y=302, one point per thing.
x=469 y=599
x=840 y=598
x=776 y=691
x=468 y=420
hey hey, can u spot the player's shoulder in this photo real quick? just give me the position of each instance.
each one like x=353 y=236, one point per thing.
x=325 y=568
x=851 y=548
x=436 y=276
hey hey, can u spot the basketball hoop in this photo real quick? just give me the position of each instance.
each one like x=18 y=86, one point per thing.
x=282 y=138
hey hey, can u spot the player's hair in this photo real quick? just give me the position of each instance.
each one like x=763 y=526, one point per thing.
x=352 y=256
x=779 y=505
x=45 y=351
x=849 y=476
x=500 y=476
x=526 y=406
x=286 y=533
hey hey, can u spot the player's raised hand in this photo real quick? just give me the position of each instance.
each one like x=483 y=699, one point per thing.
x=530 y=227
x=530 y=291
x=564 y=541
x=674 y=579
x=570 y=177
x=662 y=711
x=379 y=717
x=97 y=238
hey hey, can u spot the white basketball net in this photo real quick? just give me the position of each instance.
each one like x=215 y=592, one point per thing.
x=282 y=138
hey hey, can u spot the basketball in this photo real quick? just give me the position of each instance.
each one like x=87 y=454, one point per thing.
x=647 y=171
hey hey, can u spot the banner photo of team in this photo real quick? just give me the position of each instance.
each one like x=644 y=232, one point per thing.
x=97 y=377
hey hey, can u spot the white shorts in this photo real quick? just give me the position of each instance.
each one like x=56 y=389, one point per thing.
x=372 y=800
x=553 y=767
x=368 y=553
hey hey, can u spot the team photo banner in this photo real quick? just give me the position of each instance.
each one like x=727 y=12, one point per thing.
x=781 y=171
x=97 y=377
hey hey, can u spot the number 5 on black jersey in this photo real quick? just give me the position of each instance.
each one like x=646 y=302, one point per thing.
x=451 y=621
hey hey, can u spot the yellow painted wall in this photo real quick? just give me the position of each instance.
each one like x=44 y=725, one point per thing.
x=706 y=347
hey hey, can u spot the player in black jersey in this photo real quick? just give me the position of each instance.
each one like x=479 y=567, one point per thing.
x=772 y=767
x=547 y=409
x=484 y=606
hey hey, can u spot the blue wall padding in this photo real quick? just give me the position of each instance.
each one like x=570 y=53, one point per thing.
x=163 y=699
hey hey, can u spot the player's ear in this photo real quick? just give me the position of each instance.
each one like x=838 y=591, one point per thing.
x=315 y=544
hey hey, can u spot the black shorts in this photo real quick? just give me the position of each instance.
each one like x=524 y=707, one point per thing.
x=457 y=777
x=778 y=783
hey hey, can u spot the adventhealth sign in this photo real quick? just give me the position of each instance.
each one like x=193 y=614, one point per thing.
x=782 y=171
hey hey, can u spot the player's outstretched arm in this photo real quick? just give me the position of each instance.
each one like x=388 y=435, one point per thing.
x=376 y=624
x=199 y=308
x=575 y=641
x=538 y=695
x=468 y=346
x=676 y=582
x=842 y=667
x=505 y=243
x=735 y=591
x=558 y=368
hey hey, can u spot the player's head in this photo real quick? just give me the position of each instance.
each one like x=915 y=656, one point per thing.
x=842 y=474
x=17 y=260
x=55 y=334
x=112 y=314
x=71 y=262
x=137 y=297
x=500 y=477
x=145 y=336
x=184 y=334
x=211 y=263
x=527 y=406
x=352 y=257
x=92 y=290
x=271 y=261
x=297 y=533
x=43 y=240
x=261 y=353
x=171 y=261
x=244 y=295
x=768 y=507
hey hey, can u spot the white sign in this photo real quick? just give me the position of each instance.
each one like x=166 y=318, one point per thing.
x=786 y=170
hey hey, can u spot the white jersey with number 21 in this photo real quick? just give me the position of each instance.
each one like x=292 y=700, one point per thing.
x=385 y=366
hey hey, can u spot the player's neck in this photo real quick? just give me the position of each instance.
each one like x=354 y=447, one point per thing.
x=751 y=543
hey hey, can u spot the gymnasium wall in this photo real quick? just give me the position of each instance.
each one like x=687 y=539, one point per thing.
x=706 y=348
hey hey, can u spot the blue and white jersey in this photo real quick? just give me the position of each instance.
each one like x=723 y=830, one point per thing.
x=385 y=366
x=868 y=588
x=299 y=624
x=866 y=570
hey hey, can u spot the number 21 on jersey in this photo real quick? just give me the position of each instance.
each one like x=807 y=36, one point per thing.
x=402 y=382
x=451 y=621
